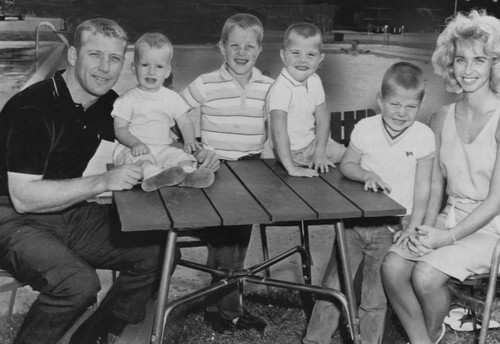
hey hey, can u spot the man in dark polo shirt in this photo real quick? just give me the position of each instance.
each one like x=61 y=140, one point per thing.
x=50 y=237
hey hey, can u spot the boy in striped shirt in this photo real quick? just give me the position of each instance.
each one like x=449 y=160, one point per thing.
x=231 y=102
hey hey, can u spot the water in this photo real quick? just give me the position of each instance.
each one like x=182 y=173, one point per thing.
x=350 y=82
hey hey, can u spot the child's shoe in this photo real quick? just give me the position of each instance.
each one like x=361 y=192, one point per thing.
x=201 y=178
x=168 y=177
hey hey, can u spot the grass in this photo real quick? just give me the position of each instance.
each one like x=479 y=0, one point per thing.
x=283 y=309
x=288 y=324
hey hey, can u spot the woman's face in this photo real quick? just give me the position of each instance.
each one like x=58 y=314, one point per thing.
x=471 y=65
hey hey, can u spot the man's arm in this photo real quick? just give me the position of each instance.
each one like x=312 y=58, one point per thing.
x=32 y=194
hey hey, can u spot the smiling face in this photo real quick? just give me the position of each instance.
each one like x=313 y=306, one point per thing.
x=240 y=52
x=400 y=107
x=152 y=66
x=302 y=55
x=471 y=66
x=98 y=62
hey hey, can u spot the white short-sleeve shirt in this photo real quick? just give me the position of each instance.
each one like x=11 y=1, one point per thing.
x=299 y=101
x=151 y=114
x=393 y=160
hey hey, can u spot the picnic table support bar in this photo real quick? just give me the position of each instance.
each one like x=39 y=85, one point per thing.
x=348 y=287
x=168 y=263
x=256 y=280
x=248 y=275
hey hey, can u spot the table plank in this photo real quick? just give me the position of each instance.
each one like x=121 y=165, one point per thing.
x=189 y=207
x=372 y=204
x=151 y=214
x=233 y=202
x=280 y=202
x=324 y=199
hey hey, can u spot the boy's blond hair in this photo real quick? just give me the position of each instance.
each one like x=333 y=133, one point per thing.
x=305 y=30
x=244 y=21
x=406 y=75
x=153 y=40
x=103 y=26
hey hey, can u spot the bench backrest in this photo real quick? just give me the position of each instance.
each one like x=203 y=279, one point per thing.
x=342 y=124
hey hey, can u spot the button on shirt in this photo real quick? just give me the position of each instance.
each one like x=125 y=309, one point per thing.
x=299 y=101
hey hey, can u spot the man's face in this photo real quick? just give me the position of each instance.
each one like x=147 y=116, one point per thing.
x=240 y=51
x=98 y=63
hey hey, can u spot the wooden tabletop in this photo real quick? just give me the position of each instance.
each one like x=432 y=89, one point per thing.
x=251 y=192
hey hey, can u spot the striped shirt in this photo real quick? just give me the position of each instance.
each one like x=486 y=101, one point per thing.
x=232 y=118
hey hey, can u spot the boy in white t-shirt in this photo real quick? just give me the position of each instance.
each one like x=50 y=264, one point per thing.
x=144 y=115
x=393 y=153
x=296 y=107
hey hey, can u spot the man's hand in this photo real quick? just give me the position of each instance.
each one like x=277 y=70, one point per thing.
x=208 y=159
x=122 y=177
x=139 y=148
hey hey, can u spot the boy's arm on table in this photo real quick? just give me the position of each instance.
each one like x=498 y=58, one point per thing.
x=320 y=162
x=281 y=140
x=186 y=127
x=351 y=168
x=124 y=136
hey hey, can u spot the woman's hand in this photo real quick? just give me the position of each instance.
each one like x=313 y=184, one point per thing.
x=428 y=239
x=402 y=237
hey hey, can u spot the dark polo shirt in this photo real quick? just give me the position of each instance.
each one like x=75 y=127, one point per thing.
x=43 y=132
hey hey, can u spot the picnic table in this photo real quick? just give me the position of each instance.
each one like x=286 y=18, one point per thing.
x=252 y=192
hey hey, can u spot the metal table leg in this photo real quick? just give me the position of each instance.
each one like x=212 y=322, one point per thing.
x=348 y=281
x=168 y=262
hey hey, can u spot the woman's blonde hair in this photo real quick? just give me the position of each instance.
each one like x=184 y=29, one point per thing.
x=468 y=28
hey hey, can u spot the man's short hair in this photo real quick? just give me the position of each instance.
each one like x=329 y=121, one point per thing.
x=104 y=26
x=153 y=40
x=244 y=21
x=403 y=74
x=303 y=29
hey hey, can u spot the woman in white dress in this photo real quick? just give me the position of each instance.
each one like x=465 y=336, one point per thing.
x=459 y=241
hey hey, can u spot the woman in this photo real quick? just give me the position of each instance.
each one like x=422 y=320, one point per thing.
x=459 y=242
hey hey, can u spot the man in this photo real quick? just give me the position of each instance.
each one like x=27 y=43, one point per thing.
x=50 y=238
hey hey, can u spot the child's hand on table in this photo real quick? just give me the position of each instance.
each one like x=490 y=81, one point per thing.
x=298 y=171
x=321 y=164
